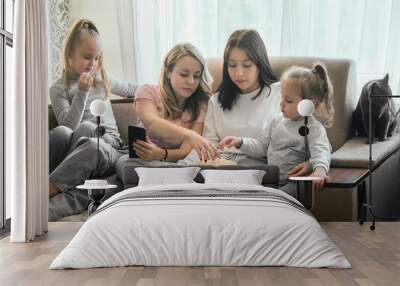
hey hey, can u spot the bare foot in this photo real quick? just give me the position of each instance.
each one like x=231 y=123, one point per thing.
x=53 y=190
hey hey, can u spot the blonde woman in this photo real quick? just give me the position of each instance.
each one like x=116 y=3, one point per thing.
x=173 y=111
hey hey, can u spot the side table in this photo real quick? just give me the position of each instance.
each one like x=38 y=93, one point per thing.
x=96 y=190
x=304 y=190
x=350 y=178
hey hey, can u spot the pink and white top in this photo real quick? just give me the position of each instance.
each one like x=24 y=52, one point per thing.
x=153 y=93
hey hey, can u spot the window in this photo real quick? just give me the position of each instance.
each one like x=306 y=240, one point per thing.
x=6 y=44
x=365 y=31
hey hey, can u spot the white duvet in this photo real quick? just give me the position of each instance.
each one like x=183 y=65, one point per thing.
x=206 y=230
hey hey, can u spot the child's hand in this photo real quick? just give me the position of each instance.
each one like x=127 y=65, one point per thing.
x=321 y=174
x=230 y=141
x=85 y=81
x=300 y=170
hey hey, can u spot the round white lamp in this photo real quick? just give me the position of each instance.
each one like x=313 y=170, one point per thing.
x=305 y=107
x=98 y=107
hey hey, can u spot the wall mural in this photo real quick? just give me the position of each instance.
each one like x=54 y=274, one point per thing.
x=59 y=22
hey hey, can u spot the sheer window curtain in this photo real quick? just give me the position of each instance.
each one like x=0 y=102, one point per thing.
x=26 y=123
x=126 y=20
x=363 y=30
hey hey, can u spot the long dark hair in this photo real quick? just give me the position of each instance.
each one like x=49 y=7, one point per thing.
x=251 y=43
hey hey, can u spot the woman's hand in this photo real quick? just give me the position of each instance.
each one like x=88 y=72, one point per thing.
x=230 y=141
x=300 y=170
x=85 y=81
x=148 y=150
x=322 y=178
x=203 y=147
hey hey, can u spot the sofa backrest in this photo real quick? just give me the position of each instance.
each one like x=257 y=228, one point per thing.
x=124 y=115
x=341 y=71
x=123 y=111
x=342 y=74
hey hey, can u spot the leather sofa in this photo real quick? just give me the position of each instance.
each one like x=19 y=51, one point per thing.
x=333 y=204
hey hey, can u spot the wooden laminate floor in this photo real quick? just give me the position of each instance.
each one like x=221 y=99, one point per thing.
x=374 y=255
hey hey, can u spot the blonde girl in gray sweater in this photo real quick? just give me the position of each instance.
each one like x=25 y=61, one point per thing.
x=73 y=144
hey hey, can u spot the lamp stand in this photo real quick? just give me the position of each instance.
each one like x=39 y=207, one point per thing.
x=304 y=190
x=98 y=139
x=369 y=205
x=307 y=156
x=303 y=131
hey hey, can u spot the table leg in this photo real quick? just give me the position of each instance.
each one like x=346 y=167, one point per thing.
x=95 y=196
x=361 y=200
x=305 y=193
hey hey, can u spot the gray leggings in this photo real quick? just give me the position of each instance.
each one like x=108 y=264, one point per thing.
x=72 y=160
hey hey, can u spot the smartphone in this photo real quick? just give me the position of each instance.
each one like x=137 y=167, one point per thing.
x=135 y=133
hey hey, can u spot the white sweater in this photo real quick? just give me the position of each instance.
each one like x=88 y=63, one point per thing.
x=247 y=118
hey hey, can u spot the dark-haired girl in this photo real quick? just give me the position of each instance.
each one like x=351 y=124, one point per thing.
x=247 y=99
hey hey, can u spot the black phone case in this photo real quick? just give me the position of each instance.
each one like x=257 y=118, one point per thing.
x=135 y=133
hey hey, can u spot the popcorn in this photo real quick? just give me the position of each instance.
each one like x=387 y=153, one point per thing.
x=217 y=162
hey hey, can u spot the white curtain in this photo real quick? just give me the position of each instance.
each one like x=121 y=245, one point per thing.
x=126 y=20
x=366 y=31
x=26 y=123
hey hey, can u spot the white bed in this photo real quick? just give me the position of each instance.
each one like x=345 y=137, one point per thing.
x=222 y=224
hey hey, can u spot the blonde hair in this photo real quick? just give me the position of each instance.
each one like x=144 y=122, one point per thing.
x=78 y=30
x=200 y=96
x=314 y=84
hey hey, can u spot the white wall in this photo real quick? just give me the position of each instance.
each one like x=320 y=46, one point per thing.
x=103 y=13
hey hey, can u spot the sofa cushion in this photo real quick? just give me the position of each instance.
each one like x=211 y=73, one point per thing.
x=126 y=171
x=123 y=110
x=52 y=118
x=355 y=152
x=341 y=71
x=124 y=114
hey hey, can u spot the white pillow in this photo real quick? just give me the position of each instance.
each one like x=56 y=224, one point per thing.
x=166 y=176
x=249 y=177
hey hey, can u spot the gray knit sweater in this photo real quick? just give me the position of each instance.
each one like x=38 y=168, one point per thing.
x=72 y=105
x=282 y=145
